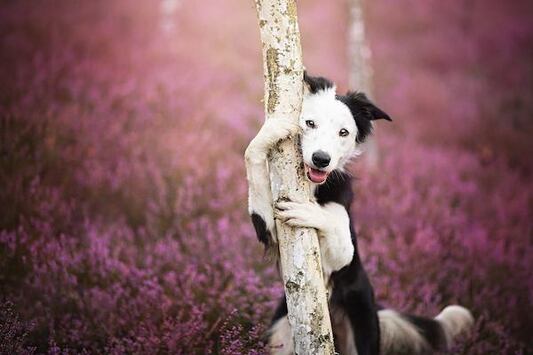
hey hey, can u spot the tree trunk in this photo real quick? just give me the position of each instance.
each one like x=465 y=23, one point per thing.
x=360 y=75
x=359 y=52
x=299 y=249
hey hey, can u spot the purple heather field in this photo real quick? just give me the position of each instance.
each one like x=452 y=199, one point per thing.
x=123 y=224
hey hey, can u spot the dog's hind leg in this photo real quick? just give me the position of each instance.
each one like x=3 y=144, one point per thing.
x=280 y=338
x=257 y=173
x=279 y=334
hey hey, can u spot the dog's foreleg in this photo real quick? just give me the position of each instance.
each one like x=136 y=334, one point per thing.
x=333 y=226
x=259 y=193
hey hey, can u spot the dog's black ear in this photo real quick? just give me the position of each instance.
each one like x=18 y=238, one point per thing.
x=315 y=84
x=363 y=112
x=371 y=111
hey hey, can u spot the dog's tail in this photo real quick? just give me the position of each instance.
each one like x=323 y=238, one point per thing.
x=408 y=334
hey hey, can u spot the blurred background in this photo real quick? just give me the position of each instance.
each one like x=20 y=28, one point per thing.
x=123 y=218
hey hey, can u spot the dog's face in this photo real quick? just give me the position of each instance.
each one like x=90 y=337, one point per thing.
x=328 y=134
x=332 y=127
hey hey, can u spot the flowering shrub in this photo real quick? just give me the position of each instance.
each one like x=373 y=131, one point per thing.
x=124 y=226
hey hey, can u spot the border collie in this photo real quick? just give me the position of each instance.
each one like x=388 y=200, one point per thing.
x=331 y=129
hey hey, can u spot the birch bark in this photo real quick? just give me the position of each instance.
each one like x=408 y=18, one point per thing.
x=360 y=76
x=299 y=249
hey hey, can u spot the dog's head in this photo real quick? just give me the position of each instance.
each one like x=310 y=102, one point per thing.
x=333 y=126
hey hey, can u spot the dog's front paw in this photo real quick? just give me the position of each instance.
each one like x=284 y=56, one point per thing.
x=298 y=214
x=274 y=130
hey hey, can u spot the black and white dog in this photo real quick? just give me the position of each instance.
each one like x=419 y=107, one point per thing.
x=332 y=127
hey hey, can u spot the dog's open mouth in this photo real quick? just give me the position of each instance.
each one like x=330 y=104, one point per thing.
x=315 y=175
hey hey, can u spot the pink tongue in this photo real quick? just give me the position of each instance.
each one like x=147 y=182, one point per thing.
x=317 y=175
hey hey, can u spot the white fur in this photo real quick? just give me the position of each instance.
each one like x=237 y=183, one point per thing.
x=398 y=335
x=455 y=320
x=280 y=340
x=330 y=116
x=333 y=225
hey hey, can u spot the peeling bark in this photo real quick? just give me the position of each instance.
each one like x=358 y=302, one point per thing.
x=299 y=249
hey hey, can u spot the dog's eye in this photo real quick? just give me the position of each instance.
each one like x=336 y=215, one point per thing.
x=343 y=132
x=310 y=123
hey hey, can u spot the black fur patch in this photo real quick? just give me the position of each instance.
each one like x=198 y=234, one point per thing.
x=363 y=112
x=281 y=310
x=352 y=291
x=263 y=234
x=430 y=329
x=337 y=188
x=316 y=83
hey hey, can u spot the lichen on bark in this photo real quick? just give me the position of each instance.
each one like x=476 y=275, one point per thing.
x=272 y=75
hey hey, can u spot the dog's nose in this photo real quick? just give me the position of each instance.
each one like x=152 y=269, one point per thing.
x=321 y=159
